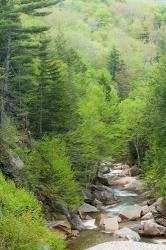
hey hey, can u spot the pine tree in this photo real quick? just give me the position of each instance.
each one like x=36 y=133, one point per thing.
x=49 y=108
x=18 y=50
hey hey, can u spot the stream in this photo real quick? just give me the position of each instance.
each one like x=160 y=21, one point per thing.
x=93 y=235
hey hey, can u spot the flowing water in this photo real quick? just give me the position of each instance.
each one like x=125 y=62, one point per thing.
x=94 y=236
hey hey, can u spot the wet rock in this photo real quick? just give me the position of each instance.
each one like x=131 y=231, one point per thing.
x=135 y=185
x=147 y=216
x=126 y=234
x=75 y=221
x=124 y=180
x=111 y=224
x=100 y=220
x=62 y=228
x=151 y=228
x=104 y=194
x=87 y=208
x=130 y=212
x=104 y=179
x=145 y=210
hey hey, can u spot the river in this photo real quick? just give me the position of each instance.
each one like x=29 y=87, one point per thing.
x=94 y=236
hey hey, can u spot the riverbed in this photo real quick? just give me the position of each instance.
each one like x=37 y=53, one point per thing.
x=93 y=235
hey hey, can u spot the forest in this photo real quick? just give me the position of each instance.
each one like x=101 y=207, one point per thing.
x=81 y=82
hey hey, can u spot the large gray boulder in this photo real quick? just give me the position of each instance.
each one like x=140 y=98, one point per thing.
x=87 y=208
x=126 y=234
x=104 y=194
x=151 y=228
x=130 y=212
x=104 y=179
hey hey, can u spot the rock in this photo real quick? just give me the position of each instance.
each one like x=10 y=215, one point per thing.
x=75 y=221
x=104 y=194
x=151 y=228
x=97 y=204
x=111 y=224
x=100 y=220
x=134 y=171
x=87 y=217
x=127 y=245
x=104 y=168
x=161 y=221
x=104 y=179
x=74 y=234
x=135 y=185
x=151 y=201
x=152 y=209
x=87 y=195
x=145 y=210
x=130 y=212
x=124 y=180
x=62 y=228
x=126 y=234
x=87 y=208
x=121 y=166
x=160 y=205
x=16 y=162
x=147 y=216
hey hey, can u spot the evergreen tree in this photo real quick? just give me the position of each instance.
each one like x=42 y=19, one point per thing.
x=17 y=50
x=117 y=69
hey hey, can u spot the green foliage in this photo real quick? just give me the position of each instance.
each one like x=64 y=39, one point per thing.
x=48 y=172
x=21 y=224
x=90 y=142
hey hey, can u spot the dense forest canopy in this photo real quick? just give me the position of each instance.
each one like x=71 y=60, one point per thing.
x=81 y=81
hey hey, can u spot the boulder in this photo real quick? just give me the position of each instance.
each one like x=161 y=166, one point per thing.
x=147 y=216
x=145 y=210
x=62 y=228
x=97 y=204
x=130 y=212
x=100 y=220
x=161 y=221
x=135 y=185
x=105 y=195
x=160 y=205
x=87 y=195
x=87 y=208
x=151 y=228
x=124 y=180
x=104 y=179
x=121 y=166
x=16 y=162
x=126 y=234
x=104 y=169
x=111 y=224
x=75 y=221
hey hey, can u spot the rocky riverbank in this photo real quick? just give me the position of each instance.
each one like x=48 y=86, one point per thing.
x=113 y=206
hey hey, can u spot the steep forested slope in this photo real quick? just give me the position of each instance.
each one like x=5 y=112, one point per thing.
x=81 y=81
